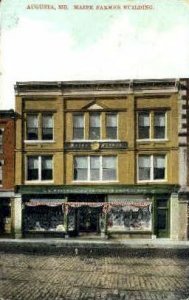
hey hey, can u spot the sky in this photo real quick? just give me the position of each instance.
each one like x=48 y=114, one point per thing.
x=80 y=44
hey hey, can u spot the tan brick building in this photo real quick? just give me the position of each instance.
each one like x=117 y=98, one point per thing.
x=99 y=157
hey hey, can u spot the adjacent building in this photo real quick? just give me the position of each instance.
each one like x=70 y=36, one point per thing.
x=99 y=157
x=7 y=145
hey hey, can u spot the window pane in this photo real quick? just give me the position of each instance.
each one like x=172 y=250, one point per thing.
x=78 y=126
x=47 y=168
x=32 y=127
x=159 y=125
x=94 y=130
x=109 y=168
x=32 y=168
x=94 y=168
x=81 y=168
x=144 y=125
x=111 y=126
x=159 y=167
x=1 y=173
x=47 y=127
x=144 y=167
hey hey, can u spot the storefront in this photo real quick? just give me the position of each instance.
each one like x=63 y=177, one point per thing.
x=133 y=213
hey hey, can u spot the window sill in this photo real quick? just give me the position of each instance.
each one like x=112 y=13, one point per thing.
x=152 y=140
x=152 y=181
x=39 y=141
x=38 y=181
x=99 y=181
x=107 y=140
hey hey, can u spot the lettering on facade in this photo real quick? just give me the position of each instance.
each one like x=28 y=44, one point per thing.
x=101 y=145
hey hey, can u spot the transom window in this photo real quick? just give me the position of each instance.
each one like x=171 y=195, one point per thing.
x=151 y=167
x=95 y=126
x=95 y=168
x=151 y=125
x=39 y=168
x=39 y=126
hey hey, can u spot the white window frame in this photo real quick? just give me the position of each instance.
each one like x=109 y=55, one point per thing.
x=151 y=138
x=152 y=168
x=39 y=116
x=100 y=121
x=88 y=169
x=117 y=125
x=39 y=180
x=74 y=114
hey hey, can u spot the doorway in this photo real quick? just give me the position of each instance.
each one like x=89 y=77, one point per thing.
x=162 y=217
x=88 y=219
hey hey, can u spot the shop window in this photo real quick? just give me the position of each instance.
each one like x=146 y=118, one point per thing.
x=111 y=126
x=39 y=168
x=94 y=127
x=78 y=126
x=39 y=127
x=151 y=125
x=151 y=167
x=95 y=168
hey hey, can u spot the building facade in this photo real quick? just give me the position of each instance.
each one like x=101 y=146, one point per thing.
x=98 y=158
x=7 y=145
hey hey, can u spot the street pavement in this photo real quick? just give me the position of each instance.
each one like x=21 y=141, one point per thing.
x=72 y=273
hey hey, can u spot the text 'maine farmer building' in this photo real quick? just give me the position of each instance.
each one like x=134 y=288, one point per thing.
x=98 y=157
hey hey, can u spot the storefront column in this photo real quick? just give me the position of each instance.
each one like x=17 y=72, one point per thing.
x=104 y=232
x=174 y=216
x=16 y=205
x=183 y=220
x=66 y=220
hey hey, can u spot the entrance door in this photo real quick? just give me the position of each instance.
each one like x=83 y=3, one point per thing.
x=162 y=219
x=88 y=219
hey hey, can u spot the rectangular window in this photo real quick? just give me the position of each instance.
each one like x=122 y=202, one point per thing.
x=46 y=168
x=144 y=164
x=81 y=168
x=151 y=167
x=39 y=168
x=32 y=127
x=78 y=126
x=111 y=126
x=94 y=126
x=47 y=127
x=95 y=168
x=109 y=168
x=143 y=125
x=159 y=125
x=1 y=140
x=33 y=168
x=1 y=172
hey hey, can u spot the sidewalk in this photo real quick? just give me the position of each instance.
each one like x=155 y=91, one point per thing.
x=95 y=243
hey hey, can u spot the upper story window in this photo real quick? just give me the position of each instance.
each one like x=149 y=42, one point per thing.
x=39 y=168
x=151 y=167
x=111 y=126
x=95 y=168
x=1 y=172
x=39 y=126
x=94 y=126
x=1 y=139
x=78 y=126
x=151 y=125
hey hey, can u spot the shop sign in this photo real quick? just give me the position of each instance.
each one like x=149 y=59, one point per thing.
x=95 y=145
